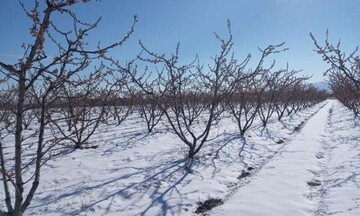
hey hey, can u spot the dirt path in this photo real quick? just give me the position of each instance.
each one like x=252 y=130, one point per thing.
x=290 y=184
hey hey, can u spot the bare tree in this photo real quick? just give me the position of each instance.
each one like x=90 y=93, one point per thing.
x=84 y=103
x=297 y=99
x=7 y=99
x=345 y=91
x=287 y=83
x=245 y=101
x=37 y=72
x=190 y=95
x=347 y=65
x=344 y=72
x=149 y=109
x=269 y=96
x=121 y=98
x=277 y=93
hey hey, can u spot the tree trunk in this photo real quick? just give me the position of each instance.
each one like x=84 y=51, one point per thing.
x=191 y=152
x=18 y=141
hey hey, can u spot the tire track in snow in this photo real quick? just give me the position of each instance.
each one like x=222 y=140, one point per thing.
x=338 y=195
x=245 y=181
x=286 y=151
x=324 y=157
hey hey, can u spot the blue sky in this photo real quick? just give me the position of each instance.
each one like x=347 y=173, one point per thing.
x=163 y=23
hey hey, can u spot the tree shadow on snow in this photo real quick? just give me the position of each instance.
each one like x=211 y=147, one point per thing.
x=159 y=187
x=159 y=196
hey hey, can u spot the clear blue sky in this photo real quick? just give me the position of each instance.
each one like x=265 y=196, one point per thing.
x=163 y=23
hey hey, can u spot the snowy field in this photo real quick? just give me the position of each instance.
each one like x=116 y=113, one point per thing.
x=283 y=169
x=317 y=173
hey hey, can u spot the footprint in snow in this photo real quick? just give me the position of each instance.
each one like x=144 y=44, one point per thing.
x=280 y=141
x=314 y=183
x=319 y=155
x=244 y=174
x=312 y=195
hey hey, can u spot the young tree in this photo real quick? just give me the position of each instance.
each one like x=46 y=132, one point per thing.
x=345 y=91
x=245 y=101
x=38 y=73
x=190 y=95
x=121 y=97
x=7 y=99
x=287 y=82
x=344 y=72
x=347 y=65
x=149 y=109
x=83 y=108
x=269 y=97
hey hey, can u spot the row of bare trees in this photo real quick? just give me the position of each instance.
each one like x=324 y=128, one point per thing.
x=280 y=94
x=343 y=74
x=63 y=89
x=193 y=97
x=53 y=70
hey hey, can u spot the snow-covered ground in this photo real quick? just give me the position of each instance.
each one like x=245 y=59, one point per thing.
x=135 y=173
x=317 y=173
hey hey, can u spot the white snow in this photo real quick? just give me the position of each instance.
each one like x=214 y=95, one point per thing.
x=135 y=173
x=281 y=188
